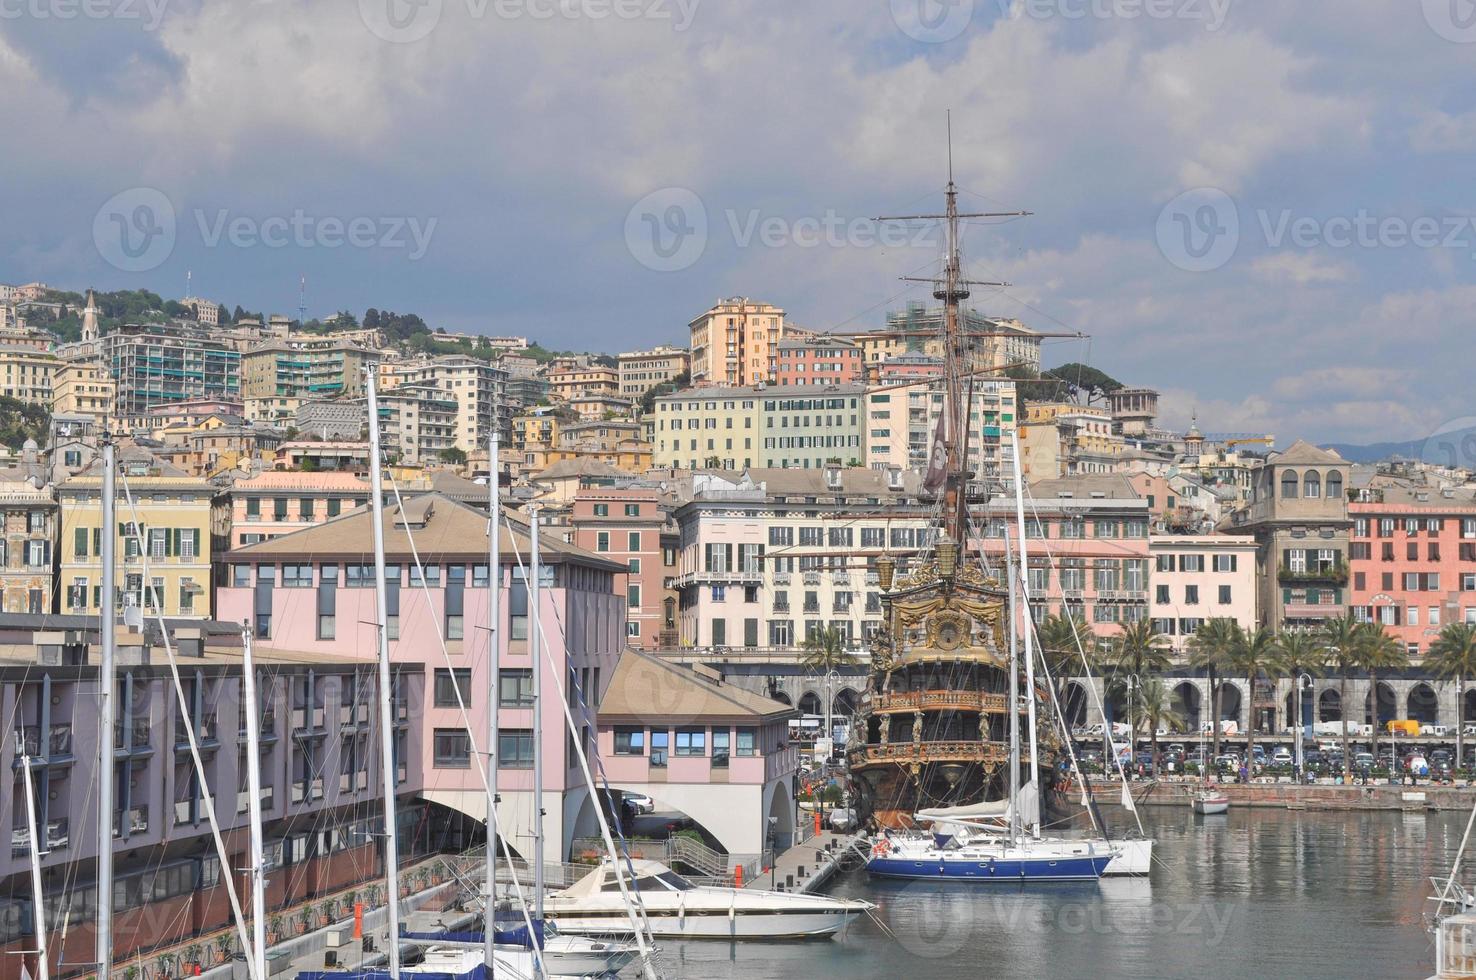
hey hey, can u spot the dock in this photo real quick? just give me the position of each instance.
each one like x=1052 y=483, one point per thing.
x=1296 y=796
x=807 y=866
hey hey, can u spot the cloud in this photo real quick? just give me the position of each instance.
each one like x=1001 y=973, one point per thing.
x=1301 y=268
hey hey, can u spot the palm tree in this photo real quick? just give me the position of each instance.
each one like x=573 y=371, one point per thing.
x=1255 y=653
x=1342 y=640
x=1453 y=655
x=1379 y=651
x=1209 y=650
x=1156 y=708
x=825 y=651
x=1301 y=653
x=1063 y=641
x=1138 y=650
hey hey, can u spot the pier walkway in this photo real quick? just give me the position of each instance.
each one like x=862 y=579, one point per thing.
x=808 y=865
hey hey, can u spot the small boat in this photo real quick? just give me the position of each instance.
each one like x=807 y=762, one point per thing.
x=678 y=909
x=1208 y=802
x=563 y=956
x=987 y=859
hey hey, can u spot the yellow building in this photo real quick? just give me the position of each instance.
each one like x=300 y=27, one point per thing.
x=1061 y=439
x=642 y=370
x=582 y=381
x=27 y=374
x=734 y=342
x=83 y=388
x=163 y=545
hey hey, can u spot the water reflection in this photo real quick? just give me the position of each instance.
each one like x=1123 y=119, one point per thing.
x=1256 y=893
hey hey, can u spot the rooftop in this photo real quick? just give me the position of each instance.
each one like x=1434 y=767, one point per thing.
x=646 y=687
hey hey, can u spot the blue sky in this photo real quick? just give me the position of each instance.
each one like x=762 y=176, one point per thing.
x=1263 y=209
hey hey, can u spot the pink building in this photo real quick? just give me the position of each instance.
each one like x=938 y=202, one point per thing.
x=633 y=526
x=311 y=594
x=275 y=503
x=1412 y=560
x=694 y=742
x=816 y=361
x=908 y=367
x=1088 y=545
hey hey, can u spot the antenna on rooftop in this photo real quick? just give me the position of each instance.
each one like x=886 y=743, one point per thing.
x=302 y=301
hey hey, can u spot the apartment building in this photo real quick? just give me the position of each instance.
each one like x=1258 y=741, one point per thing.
x=312 y=592
x=1063 y=439
x=901 y=421
x=1298 y=514
x=319 y=782
x=1198 y=577
x=83 y=388
x=734 y=342
x=1412 y=560
x=162 y=365
x=27 y=535
x=632 y=525
x=335 y=420
x=771 y=556
x=28 y=374
x=418 y=422
x=163 y=543
x=277 y=378
x=581 y=380
x=477 y=390
x=642 y=370
x=275 y=503
x=802 y=426
x=996 y=342
x=816 y=360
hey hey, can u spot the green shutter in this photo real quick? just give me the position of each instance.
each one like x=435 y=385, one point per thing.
x=195 y=540
x=79 y=542
x=171 y=539
x=97 y=541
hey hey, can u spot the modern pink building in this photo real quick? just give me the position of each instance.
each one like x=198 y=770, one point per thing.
x=311 y=594
x=816 y=361
x=1412 y=560
x=695 y=743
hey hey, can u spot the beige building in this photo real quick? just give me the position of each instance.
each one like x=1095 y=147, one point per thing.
x=28 y=374
x=83 y=388
x=28 y=524
x=277 y=378
x=475 y=389
x=583 y=380
x=734 y=342
x=901 y=420
x=642 y=370
x=163 y=545
x=1061 y=439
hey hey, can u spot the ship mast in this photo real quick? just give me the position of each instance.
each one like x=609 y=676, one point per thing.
x=952 y=288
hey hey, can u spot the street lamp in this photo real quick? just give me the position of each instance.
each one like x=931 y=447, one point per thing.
x=1304 y=687
x=1133 y=685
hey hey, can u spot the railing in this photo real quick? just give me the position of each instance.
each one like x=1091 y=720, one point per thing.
x=957 y=700
x=138 y=821
x=182 y=811
x=28 y=740
x=60 y=742
x=57 y=834
x=934 y=752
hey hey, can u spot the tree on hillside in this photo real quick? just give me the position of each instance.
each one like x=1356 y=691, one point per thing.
x=1084 y=382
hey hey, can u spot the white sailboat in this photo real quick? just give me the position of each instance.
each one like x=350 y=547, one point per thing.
x=1208 y=800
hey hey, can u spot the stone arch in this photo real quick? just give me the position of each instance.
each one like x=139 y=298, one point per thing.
x=1075 y=705
x=1422 y=705
x=1230 y=701
x=1468 y=706
x=1187 y=704
x=1334 y=485
x=1330 y=705
x=1380 y=705
x=781 y=817
x=1312 y=484
x=1289 y=485
x=843 y=705
x=810 y=704
x=782 y=697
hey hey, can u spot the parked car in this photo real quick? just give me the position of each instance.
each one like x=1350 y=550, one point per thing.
x=640 y=802
x=1363 y=762
x=1416 y=765
x=1281 y=757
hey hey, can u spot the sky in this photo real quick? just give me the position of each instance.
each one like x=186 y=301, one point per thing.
x=1264 y=209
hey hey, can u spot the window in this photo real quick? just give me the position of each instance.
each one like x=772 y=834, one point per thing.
x=335 y=506
x=1289 y=485
x=79 y=542
x=1224 y=595
x=633 y=541
x=452 y=748
x=515 y=749
x=1191 y=563
x=781 y=535
x=602 y=541
x=747 y=742
x=691 y=741
x=630 y=740
x=1191 y=595
x=632 y=510
x=515 y=687
x=428 y=576
x=517 y=610
x=633 y=596
x=448 y=682
x=253 y=507
x=720 y=738
x=1312 y=484
x=602 y=510
x=1161 y=595
x=297 y=576
x=660 y=742
x=1224 y=563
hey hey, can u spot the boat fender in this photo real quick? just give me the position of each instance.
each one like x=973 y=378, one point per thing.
x=681 y=910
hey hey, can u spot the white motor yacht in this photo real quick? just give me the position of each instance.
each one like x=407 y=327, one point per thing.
x=678 y=909
x=563 y=957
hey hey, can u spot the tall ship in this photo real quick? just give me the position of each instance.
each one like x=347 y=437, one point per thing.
x=933 y=730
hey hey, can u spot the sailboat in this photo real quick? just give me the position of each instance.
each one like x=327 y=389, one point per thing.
x=938 y=735
x=1208 y=800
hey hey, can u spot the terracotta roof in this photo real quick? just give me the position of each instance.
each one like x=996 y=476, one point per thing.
x=646 y=687
x=584 y=466
x=440 y=526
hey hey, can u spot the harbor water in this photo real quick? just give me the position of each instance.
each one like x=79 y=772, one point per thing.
x=1252 y=894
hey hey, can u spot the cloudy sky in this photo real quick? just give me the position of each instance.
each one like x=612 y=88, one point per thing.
x=1262 y=208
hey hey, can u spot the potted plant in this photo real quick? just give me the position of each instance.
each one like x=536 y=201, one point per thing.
x=350 y=900
x=191 y=959
x=274 y=929
x=305 y=918
x=325 y=912
x=130 y=972
x=166 y=964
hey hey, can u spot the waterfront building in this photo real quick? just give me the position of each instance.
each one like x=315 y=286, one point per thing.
x=419 y=422
x=1134 y=410
x=734 y=343
x=167 y=364
x=592 y=405
x=695 y=743
x=1298 y=514
x=632 y=524
x=312 y=593
x=1197 y=577
x=164 y=506
x=904 y=368
x=642 y=370
x=804 y=426
x=818 y=360
x=1412 y=560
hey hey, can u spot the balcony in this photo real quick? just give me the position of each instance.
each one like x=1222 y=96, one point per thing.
x=687 y=579
x=994 y=752
x=812 y=578
x=138 y=821
x=1331 y=575
x=182 y=809
x=781 y=608
x=781 y=578
x=57 y=834
x=28 y=741
x=1114 y=595
x=840 y=578
x=943 y=701
x=812 y=608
